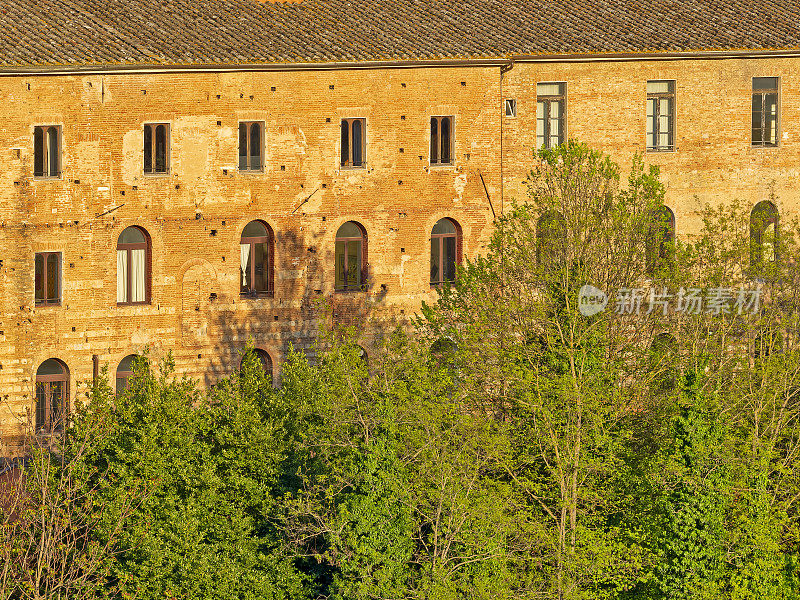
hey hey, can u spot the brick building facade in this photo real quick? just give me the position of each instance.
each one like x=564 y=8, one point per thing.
x=83 y=159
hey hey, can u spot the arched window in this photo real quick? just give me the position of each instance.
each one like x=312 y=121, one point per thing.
x=46 y=151
x=133 y=266
x=266 y=362
x=52 y=392
x=351 y=257
x=125 y=372
x=256 y=253
x=763 y=235
x=659 y=245
x=445 y=251
x=551 y=233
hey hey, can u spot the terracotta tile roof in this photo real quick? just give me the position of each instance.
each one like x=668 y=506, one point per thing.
x=196 y=32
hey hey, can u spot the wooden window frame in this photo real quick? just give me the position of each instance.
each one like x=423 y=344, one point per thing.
x=47 y=159
x=129 y=248
x=252 y=241
x=361 y=286
x=48 y=301
x=346 y=153
x=658 y=96
x=510 y=107
x=438 y=145
x=439 y=238
x=153 y=128
x=47 y=427
x=763 y=93
x=548 y=99
x=248 y=156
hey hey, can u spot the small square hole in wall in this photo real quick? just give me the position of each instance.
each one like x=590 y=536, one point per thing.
x=401 y=150
x=464 y=84
x=328 y=120
x=213 y=232
x=402 y=117
x=272 y=89
x=402 y=249
x=73 y=329
x=402 y=85
x=323 y=218
x=241 y=96
x=223 y=223
x=122 y=192
x=251 y=97
x=78 y=181
x=134 y=188
x=324 y=185
x=283 y=167
x=276 y=317
x=144 y=92
x=218 y=96
x=511 y=107
x=330 y=87
x=71 y=265
x=219 y=123
x=199 y=356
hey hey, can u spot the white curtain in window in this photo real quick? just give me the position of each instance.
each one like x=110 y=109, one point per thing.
x=244 y=251
x=122 y=275
x=137 y=275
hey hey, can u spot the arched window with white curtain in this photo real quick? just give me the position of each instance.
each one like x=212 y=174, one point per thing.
x=133 y=266
x=256 y=252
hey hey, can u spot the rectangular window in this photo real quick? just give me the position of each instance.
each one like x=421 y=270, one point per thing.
x=156 y=148
x=660 y=115
x=765 y=111
x=551 y=111
x=441 y=140
x=354 y=143
x=511 y=107
x=47 y=151
x=47 y=278
x=251 y=146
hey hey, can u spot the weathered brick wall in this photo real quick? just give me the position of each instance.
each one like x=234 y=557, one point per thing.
x=195 y=215
x=713 y=161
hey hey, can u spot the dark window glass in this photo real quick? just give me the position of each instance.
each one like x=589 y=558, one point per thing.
x=255 y=250
x=444 y=251
x=125 y=372
x=354 y=143
x=550 y=114
x=441 y=140
x=156 y=148
x=660 y=115
x=47 y=278
x=251 y=146
x=349 y=257
x=47 y=151
x=765 y=111
x=52 y=385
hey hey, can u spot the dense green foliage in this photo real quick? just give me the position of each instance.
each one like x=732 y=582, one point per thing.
x=508 y=447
